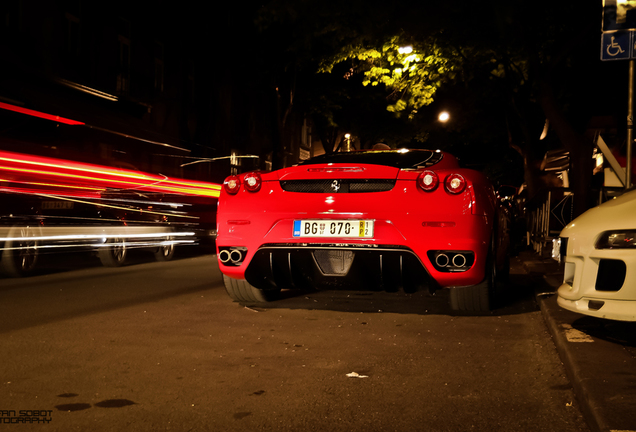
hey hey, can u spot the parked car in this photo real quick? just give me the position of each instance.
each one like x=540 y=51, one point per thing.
x=371 y=220
x=598 y=248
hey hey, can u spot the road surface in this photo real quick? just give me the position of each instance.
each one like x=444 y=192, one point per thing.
x=160 y=346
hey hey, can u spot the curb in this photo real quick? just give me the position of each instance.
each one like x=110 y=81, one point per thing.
x=587 y=405
x=602 y=373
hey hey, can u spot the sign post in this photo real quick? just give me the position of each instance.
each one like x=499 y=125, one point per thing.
x=617 y=43
x=630 y=124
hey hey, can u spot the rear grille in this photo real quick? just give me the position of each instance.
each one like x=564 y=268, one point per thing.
x=338 y=186
x=334 y=262
x=332 y=266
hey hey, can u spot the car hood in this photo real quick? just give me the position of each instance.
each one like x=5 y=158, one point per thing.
x=615 y=214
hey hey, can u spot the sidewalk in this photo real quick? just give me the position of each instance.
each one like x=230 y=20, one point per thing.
x=598 y=354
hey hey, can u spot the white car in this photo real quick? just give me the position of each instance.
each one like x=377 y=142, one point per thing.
x=599 y=250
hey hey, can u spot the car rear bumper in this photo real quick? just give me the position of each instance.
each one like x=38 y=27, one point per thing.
x=354 y=266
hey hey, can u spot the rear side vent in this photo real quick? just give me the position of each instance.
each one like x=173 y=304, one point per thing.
x=338 y=186
x=611 y=275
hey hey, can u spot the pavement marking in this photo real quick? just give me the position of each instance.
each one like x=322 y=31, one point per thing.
x=574 y=335
x=356 y=375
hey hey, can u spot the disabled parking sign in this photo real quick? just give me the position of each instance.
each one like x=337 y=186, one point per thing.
x=619 y=24
x=618 y=45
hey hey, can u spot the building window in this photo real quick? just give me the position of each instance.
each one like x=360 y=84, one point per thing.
x=159 y=67
x=11 y=14
x=305 y=141
x=123 y=75
x=235 y=163
x=72 y=34
x=190 y=90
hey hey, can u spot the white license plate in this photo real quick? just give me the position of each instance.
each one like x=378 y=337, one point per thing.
x=333 y=228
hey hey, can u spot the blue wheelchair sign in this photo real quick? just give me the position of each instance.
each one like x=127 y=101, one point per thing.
x=617 y=45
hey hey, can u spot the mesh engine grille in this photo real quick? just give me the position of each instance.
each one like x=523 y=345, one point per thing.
x=334 y=262
x=338 y=186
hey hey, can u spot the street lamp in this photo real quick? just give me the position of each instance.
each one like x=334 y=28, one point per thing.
x=347 y=142
x=444 y=116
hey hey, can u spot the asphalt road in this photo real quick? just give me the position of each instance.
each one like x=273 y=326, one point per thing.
x=160 y=346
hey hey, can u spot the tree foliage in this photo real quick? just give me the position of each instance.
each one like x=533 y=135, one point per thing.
x=411 y=75
x=505 y=67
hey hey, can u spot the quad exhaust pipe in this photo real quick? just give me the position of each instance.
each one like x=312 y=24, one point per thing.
x=231 y=256
x=224 y=256
x=459 y=260
x=442 y=260
x=236 y=256
x=452 y=261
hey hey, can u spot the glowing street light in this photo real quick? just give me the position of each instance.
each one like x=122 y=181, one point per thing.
x=444 y=116
x=405 y=49
x=347 y=142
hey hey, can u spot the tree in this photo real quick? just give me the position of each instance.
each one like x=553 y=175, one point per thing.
x=508 y=66
x=304 y=33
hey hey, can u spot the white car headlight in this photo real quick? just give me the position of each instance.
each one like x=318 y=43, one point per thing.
x=623 y=239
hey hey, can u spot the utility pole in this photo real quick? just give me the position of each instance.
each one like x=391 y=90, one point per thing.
x=630 y=125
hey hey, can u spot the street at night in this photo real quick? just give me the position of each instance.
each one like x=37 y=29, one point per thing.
x=317 y=215
x=160 y=346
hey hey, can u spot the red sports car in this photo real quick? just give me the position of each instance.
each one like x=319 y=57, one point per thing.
x=372 y=220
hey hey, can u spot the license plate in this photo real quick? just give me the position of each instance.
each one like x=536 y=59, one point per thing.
x=333 y=228
x=57 y=205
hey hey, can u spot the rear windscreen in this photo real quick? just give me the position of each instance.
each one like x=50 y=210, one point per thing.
x=395 y=158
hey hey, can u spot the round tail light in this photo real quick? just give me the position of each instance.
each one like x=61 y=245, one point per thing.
x=455 y=183
x=232 y=184
x=252 y=181
x=428 y=180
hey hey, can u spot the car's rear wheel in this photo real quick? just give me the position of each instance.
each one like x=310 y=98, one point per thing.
x=475 y=298
x=241 y=290
x=165 y=252
x=113 y=254
x=480 y=297
x=20 y=256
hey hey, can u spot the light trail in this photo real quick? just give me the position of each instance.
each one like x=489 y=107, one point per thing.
x=33 y=168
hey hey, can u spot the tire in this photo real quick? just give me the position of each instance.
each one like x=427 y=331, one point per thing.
x=240 y=290
x=474 y=298
x=19 y=257
x=114 y=255
x=480 y=297
x=165 y=253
